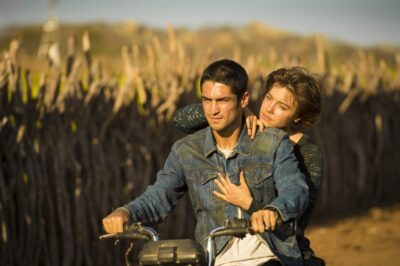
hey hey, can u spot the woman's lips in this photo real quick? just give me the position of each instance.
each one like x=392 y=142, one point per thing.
x=266 y=119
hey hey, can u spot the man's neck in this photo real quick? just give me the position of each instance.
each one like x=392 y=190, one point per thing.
x=227 y=140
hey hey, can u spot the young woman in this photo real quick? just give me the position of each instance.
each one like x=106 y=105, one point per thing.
x=292 y=102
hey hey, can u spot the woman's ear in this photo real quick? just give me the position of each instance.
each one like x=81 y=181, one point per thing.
x=297 y=120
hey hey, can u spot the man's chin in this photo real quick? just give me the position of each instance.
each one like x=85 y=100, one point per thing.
x=216 y=128
x=214 y=125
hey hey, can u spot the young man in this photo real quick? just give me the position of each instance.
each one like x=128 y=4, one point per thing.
x=223 y=150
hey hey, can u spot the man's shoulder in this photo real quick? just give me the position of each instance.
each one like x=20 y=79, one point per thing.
x=271 y=132
x=193 y=139
x=269 y=140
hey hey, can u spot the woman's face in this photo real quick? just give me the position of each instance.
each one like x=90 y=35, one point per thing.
x=278 y=108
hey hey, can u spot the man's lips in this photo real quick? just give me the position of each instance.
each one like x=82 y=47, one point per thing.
x=215 y=119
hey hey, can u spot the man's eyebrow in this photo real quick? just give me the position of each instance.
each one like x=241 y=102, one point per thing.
x=217 y=99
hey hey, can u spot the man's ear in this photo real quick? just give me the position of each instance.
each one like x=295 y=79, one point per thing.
x=244 y=101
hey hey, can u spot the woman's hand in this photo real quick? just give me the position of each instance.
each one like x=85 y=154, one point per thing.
x=237 y=195
x=252 y=122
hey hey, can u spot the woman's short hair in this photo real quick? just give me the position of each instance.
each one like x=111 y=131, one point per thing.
x=306 y=91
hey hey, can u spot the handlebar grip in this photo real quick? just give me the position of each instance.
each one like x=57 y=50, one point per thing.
x=287 y=228
x=135 y=231
x=127 y=235
x=279 y=222
x=133 y=236
x=236 y=227
x=232 y=232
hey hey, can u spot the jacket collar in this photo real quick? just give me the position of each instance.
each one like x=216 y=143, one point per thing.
x=243 y=147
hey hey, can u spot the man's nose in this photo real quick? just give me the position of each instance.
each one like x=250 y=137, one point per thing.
x=214 y=107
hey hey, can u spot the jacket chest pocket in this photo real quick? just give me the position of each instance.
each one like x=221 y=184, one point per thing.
x=201 y=186
x=261 y=182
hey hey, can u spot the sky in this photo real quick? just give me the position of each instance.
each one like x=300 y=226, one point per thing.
x=361 y=22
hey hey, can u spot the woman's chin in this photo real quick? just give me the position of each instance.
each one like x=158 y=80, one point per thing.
x=268 y=124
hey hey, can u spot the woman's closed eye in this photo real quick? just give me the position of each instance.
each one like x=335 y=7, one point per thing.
x=283 y=107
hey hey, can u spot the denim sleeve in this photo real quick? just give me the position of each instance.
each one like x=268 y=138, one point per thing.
x=190 y=119
x=254 y=206
x=159 y=199
x=292 y=190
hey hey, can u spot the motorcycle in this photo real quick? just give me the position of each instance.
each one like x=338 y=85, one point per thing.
x=182 y=252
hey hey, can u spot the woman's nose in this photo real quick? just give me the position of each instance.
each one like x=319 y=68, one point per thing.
x=269 y=107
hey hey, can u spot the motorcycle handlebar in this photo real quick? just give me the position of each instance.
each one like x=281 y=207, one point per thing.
x=235 y=227
x=135 y=231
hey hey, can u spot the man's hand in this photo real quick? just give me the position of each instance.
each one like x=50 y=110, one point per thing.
x=237 y=195
x=263 y=220
x=114 y=222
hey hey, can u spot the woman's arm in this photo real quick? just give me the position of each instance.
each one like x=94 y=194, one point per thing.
x=311 y=164
x=190 y=119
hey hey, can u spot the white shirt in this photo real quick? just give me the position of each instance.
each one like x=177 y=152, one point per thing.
x=250 y=251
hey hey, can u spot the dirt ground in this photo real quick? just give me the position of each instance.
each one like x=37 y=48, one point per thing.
x=371 y=239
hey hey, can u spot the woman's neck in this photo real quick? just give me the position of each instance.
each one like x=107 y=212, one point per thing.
x=295 y=136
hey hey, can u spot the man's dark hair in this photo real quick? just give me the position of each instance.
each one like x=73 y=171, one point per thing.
x=227 y=72
x=306 y=91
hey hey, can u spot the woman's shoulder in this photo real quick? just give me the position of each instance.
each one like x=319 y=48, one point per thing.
x=308 y=148
x=306 y=141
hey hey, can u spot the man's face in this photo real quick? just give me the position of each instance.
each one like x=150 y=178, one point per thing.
x=221 y=107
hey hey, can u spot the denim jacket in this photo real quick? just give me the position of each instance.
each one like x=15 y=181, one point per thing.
x=271 y=171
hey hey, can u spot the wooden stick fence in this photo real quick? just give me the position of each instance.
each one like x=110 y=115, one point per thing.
x=89 y=143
